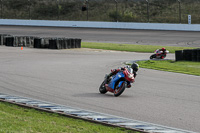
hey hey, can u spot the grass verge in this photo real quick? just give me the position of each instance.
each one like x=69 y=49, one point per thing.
x=17 y=119
x=185 y=67
x=130 y=47
x=172 y=66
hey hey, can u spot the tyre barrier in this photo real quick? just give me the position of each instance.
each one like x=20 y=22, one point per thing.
x=38 y=42
x=9 y=41
x=53 y=43
x=41 y=43
x=64 y=43
x=188 y=55
x=198 y=55
x=25 y=41
x=3 y=38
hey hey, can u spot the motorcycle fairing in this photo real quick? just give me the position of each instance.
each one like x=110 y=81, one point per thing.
x=116 y=78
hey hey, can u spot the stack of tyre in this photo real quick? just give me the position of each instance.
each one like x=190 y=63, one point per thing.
x=188 y=55
x=40 y=42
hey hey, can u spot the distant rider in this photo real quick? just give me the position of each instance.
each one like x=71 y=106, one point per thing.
x=162 y=52
x=134 y=66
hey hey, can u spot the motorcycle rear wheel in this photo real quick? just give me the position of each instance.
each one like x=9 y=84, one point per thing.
x=102 y=88
x=163 y=56
x=119 y=90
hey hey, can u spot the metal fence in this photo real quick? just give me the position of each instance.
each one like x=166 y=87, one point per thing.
x=153 y=11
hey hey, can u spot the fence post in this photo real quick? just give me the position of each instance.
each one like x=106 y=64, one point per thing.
x=116 y=10
x=58 y=4
x=147 y=10
x=87 y=3
x=1 y=8
x=29 y=2
x=189 y=19
x=179 y=5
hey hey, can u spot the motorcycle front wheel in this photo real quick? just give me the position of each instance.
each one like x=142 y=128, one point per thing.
x=119 y=90
x=102 y=88
x=153 y=56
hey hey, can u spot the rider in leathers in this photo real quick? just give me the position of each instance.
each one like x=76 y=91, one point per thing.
x=163 y=52
x=134 y=66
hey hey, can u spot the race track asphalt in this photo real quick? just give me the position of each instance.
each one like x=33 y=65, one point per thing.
x=148 y=37
x=72 y=77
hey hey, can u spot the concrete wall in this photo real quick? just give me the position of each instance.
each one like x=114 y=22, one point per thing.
x=92 y=24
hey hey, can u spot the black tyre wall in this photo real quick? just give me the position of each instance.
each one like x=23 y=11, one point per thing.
x=9 y=41
x=179 y=55
x=37 y=42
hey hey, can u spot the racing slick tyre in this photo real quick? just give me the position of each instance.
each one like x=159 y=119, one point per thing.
x=153 y=56
x=163 y=56
x=119 y=90
x=102 y=88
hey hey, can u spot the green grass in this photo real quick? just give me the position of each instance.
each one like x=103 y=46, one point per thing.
x=185 y=67
x=172 y=66
x=17 y=119
x=130 y=47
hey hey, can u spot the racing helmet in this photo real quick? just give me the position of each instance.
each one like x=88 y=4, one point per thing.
x=135 y=67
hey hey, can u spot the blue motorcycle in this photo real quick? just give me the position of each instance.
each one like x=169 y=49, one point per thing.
x=117 y=83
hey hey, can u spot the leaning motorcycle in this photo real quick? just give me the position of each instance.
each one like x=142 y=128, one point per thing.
x=159 y=55
x=117 y=83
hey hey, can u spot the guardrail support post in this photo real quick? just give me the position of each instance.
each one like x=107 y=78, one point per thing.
x=29 y=2
x=179 y=5
x=87 y=3
x=1 y=8
x=147 y=10
x=116 y=10
x=58 y=4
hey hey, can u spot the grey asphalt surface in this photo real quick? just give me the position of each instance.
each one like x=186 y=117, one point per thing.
x=148 y=37
x=72 y=77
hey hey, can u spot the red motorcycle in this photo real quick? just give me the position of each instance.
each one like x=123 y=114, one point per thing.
x=118 y=82
x=159 y=54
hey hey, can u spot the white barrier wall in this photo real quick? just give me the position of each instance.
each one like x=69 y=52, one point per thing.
x=93 y=24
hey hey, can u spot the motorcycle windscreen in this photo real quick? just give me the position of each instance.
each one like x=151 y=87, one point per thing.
x=114 y=79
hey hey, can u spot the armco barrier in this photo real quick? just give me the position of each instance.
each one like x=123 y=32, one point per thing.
x=188 y=55
x=96 y=24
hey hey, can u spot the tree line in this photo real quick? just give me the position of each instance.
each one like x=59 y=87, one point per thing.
x=154 y=11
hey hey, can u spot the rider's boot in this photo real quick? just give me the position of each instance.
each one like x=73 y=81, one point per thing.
x=129 y=86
